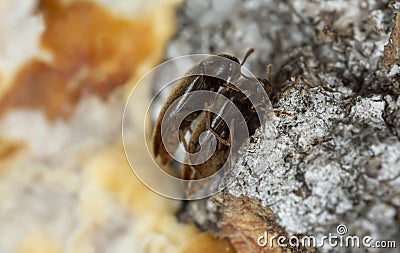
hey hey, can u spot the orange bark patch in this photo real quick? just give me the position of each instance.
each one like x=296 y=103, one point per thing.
x=207 y=243
x=93 y=50
x=8 y=153
x=391 y=55
x=243 y=220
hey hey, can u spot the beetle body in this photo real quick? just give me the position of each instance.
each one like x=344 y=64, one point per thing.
x=221 y=74
x=215 y=125
x=209 y=74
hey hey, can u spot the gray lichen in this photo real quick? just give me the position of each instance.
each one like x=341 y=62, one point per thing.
x=336 y=158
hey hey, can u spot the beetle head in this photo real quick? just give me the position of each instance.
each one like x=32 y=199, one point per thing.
x=230 y=57
x=223 y=66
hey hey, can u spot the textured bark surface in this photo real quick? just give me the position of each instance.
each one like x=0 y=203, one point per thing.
x=243 y=220
x=335 y=157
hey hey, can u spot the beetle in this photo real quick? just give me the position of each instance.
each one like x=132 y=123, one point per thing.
x=215 y=125
x=193 y=81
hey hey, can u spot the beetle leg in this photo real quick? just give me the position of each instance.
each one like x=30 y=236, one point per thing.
x=194 y=172
x=208 y=127
x=277 y=112
x=232 y=87
x=191 y=177
x=230 y=150
x=253 y=106
x=183 y=140
x=269 y=74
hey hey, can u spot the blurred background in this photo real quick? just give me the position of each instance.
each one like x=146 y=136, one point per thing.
x=66 y=69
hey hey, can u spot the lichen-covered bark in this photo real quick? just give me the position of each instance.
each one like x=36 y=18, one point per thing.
x=335 y=157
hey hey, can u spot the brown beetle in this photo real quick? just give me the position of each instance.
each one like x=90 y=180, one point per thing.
x=214 y=66
x=220 y=129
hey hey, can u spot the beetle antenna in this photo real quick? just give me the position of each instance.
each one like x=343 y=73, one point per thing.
x=269 y=73
x=248 y=53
